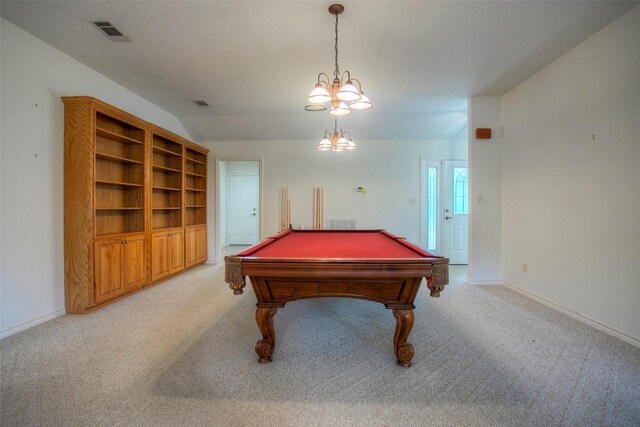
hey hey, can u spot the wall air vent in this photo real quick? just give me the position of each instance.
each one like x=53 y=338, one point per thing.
x=201 y=103
x=111 y=31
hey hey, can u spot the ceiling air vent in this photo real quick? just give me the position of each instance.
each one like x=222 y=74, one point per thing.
x=201 y=103
x=111 y=31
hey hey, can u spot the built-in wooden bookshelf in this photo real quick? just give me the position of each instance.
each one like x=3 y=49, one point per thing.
x=167 y=183
x=195 y=187
x=119 y=174
x=130 y=189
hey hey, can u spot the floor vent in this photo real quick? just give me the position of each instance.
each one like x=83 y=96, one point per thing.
x=341 y=224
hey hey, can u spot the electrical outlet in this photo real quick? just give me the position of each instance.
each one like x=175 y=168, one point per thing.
x=525 y=267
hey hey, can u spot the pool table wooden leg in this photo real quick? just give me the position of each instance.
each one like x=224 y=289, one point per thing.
x=265 y=346
x=404 y=350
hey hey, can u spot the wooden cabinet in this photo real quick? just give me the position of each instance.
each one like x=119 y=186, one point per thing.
x=130 y=188
x=195 y=245
x=167 y=253
x=108 y=270
x=120 y=267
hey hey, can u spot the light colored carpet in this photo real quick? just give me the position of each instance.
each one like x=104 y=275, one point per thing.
x=181 y=353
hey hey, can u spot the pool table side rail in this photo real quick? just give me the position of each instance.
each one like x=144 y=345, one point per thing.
x=434 y=270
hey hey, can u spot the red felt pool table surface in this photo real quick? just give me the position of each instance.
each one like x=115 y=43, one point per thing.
x=352 y=244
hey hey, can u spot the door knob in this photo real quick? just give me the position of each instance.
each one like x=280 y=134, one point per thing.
x=448 y=217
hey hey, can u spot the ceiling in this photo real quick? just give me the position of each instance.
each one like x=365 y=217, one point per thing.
x=255 y=62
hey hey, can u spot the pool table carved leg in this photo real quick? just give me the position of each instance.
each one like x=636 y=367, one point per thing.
x=233 y=274
x=265 y=346
x=404 y=350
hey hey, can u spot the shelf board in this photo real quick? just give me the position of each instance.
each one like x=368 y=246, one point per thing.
x=196 y=206
x=121 y=208
x=194 y=189
x=116 y=137
x=122 y=184
x=166 y=228
x=165 y=169
x=195 y=174
x=191 y=160
x=117 y=233
x=165 y=188
x=117 y=158
x=166 y=208
x=159 y=150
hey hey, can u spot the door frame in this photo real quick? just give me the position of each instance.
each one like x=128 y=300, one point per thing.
x=216 y=220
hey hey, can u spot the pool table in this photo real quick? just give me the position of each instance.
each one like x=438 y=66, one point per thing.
x=373 y=265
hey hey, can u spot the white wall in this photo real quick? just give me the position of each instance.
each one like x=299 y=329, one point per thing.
x=33 y=78
x=571 y=204
x=223 y=200
x=485 y=193
x=389 y=171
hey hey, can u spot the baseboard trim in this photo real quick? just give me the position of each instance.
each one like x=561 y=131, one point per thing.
x=485 y=282
x=32 y=323
x=580 y=317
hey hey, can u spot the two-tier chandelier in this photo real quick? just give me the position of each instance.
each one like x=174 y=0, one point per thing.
x=336 y=141
x=340 y=91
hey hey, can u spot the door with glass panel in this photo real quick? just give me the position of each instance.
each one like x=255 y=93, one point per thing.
x=456 y=211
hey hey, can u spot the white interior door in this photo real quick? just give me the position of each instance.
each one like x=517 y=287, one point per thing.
x=456 y=211
x=243 y=209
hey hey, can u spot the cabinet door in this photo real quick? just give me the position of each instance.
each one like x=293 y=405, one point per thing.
x=201 y=244
x=190 y=247
x=159 y=255
x=133 y=263
x=176 y=251
x=108 y=270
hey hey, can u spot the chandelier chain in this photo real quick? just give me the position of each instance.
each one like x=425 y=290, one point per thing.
x=336 y=72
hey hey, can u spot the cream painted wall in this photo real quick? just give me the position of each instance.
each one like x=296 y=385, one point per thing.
x=34 y=76
x=222 y=200
x=388 y=170
x=571 y=203
x=485 y=193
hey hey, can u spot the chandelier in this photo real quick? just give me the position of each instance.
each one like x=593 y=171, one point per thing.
x=342 y=90
x=336 y=141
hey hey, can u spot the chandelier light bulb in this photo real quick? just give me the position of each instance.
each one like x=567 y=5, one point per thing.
x=319 y=95
x=325 y=142
x=361 y=104
x=348 y=92
x=341 y=110
x=351 y=146
x=342 y=142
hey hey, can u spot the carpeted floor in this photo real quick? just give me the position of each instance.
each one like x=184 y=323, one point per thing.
x=181 y=353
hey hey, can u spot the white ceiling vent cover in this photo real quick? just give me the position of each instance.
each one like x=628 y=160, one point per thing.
x=111 y=31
